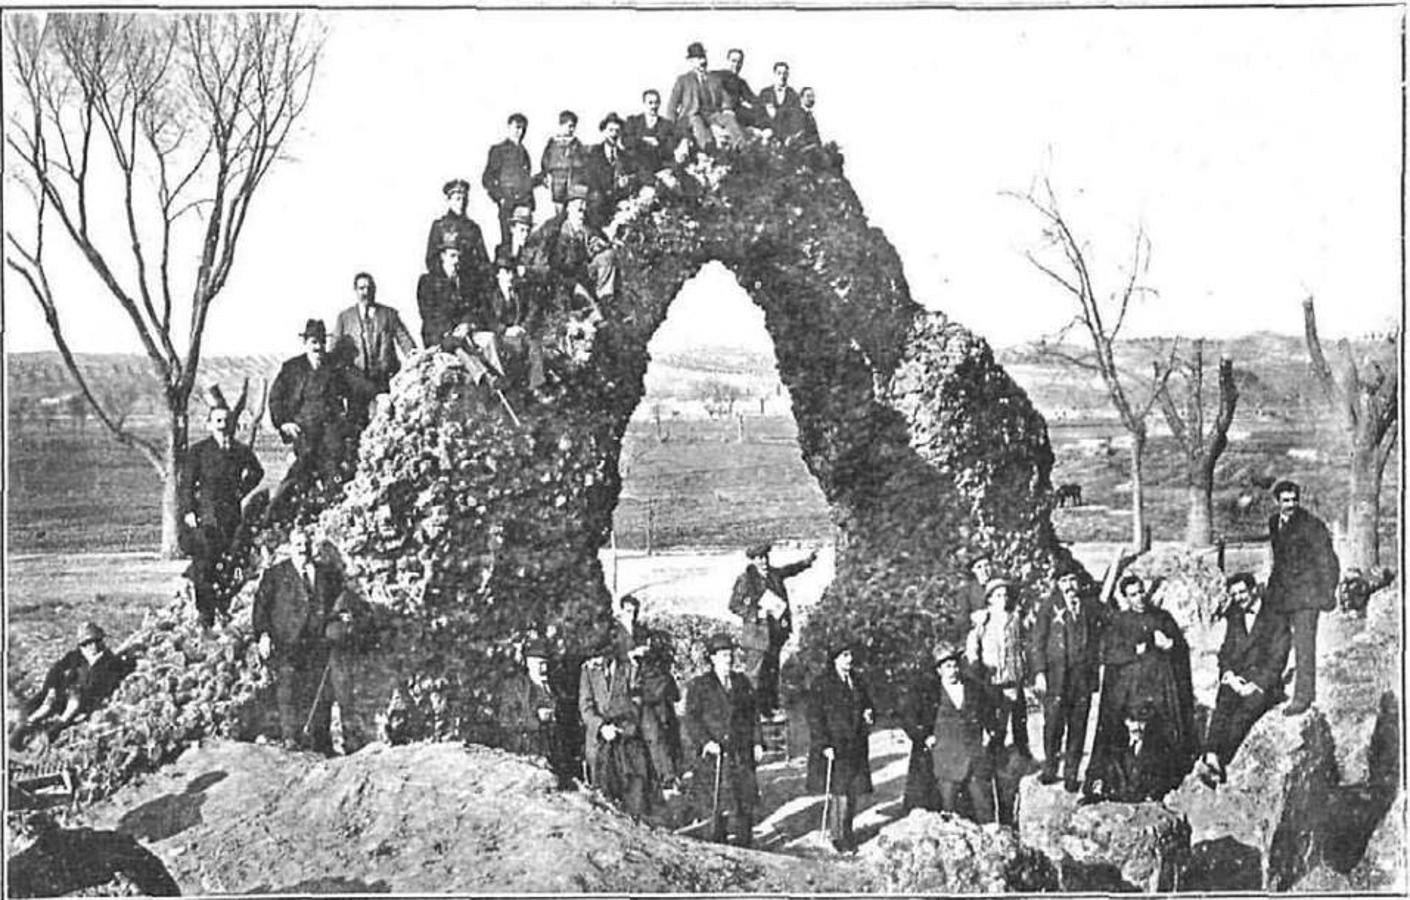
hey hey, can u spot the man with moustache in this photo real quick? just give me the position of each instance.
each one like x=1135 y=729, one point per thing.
x=649 y=136
x=721 y=720
x=1065 y=650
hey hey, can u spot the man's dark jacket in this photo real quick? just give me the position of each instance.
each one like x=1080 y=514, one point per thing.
x=917 y=714
x=1068 y=653
x=215 y=480
x=465 y=234
x=1259 y=654
x=959 y=752
x=749 y=588
x=292 y=615
x=311 y=398
x=1305 y=566
x=445 y=303
x=508 y=178
x=652 y=146
x=835 y=719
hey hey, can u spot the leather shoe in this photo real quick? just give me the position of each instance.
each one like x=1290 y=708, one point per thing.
x=1046 y=777
x=1297 y=708
x=1071 y=786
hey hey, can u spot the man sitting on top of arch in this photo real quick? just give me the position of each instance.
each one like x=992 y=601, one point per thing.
x=576 y=256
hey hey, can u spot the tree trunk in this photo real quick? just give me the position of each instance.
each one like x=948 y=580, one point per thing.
x=1363 y=512
x=1138 y=492
x=171 y=477
x=1199 y=527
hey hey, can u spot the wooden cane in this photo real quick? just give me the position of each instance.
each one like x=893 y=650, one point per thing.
x=827 y=798
x=715 y=806
x=308 y=723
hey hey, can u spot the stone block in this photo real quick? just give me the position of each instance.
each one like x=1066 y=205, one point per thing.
x=929 y=852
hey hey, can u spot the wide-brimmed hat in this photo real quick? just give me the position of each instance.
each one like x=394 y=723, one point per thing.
x=609 y=119
x=314 y=328
x=720 y=640
x=90 y=633
x=840 y=648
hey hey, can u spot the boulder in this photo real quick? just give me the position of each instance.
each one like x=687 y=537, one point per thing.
x=1273 y=805
x=929 y=852
x=1382 y=868
x=1104 y=846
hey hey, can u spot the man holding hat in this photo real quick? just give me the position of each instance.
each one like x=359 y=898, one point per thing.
x=219 y=473
x=760 y=599
x=309 y=404
x=699 y=100
x=508 y=178
x=74 y=686
x=722 y=722
x=1065 y=651
x=840 y=716
x=610 y=171
x=957 y=744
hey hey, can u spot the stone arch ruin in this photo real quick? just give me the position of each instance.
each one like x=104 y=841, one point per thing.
x=464 y=528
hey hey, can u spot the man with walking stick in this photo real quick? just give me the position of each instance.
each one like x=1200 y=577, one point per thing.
x=840 y=717
x=722 y=721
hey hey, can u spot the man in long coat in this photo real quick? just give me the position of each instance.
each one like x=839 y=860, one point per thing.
x=1252 y=658
x=617 y=757
x=1065 y=651
x=527 y=710
x=840 y=716
x=722 y=722
x=219 y=473
x=767 y=625
x=958 y=752
x=917 y=714
x=508 y=176
x=1302 y=584
x=456 y=228
x=372 y=339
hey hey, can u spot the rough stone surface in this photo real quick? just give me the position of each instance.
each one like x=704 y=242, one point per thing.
x=1104 y=846
x=929 y=852
x=1358 y=665
x=1274 y=803
x=1382 y=868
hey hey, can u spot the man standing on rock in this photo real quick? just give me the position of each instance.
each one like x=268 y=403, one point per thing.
x=1251 y=662
x=219 y=473
x=371 y=338
x=1302 y=584
x=1065 y=646
x=528 y=709
x=508 y=178
x=722 y=721
x=840 y=716
x=760 y=599
x=957 y=748
x=617 y=757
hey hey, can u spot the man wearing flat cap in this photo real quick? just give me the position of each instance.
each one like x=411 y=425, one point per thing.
x=722 y=723
x=840 y=716
x=760 y=599
x=958 y=751
x=610 y=172
x=74 y=686
x=309 y=404
x=1065 y=655
x=508 y=177
x=699 y=100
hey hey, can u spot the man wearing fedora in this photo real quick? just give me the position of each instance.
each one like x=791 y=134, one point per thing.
x=372 y=339
x=219 y=473
x=522 y=317
x=699 y=100
x=508 y=177
x=959 y=739
x=610 y=171
x=309 y=404
x=527 y=707
x=760 y=599
x=1065 y=653
x=840 y=716
x=74 y=686
x=722 y=723
x=609 y=703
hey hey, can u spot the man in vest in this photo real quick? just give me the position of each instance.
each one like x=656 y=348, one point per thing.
x=1065 y=645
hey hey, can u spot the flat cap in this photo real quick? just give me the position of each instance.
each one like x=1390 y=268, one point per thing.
x=720 y=640
x=759 y=550
x=90 y=632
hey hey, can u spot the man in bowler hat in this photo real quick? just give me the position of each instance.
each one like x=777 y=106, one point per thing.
x=840 y=716
x=722 y=723
x=699 y=100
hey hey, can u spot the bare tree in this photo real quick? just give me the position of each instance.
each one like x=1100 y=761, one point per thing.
x=1102 y=317
x=1202 y=445
x=719 y=397
x=1368 y=397
x=134 y=134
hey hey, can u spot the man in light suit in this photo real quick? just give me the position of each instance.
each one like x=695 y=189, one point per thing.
x=371 y=338
x=699 y=100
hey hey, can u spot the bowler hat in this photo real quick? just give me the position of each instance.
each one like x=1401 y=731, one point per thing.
x=1067 y=568
x=314 y=328
x=90 y=633
x=609 y=119
x=536 y=647
x=522 y=215
x=1141 y=711
x=946 y=650
x=720 y=640
x=759 y=551
x=840 y=648
x=577 y=192
x=696 y=50
x=455 y=184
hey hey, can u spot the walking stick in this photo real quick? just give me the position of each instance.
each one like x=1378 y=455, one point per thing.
x=715 y=806
x=827 y=798
x=308 y=723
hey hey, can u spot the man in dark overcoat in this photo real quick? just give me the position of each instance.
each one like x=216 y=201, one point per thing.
x=1065 y=653
x=1252 y=658
x=760 y=599
x=840 y=716
x=528 y=708
x=372 y=339
x=294 y=604
x=650 y=137
x=458 y=229
x=917 y=714
x=655 y=688
x=308 y=404
x=958 y=752
x=1302 y=584
x=610 y=707
x=508 y=177
x=219 y=473
x=722 y=723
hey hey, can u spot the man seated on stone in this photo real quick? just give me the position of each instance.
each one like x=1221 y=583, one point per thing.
x=649 y=136
x=699 y=102
x=457 y=228
x=741 y=98
x=1252 y=658
x=780 y=106
x=80 y=682
x=610 y=173
x=806 y=132
x=521 y=315
x=461 y=316
x=1145 y=767
x=569 y=250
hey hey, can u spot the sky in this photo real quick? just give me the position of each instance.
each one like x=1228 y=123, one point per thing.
x=1259 y=149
